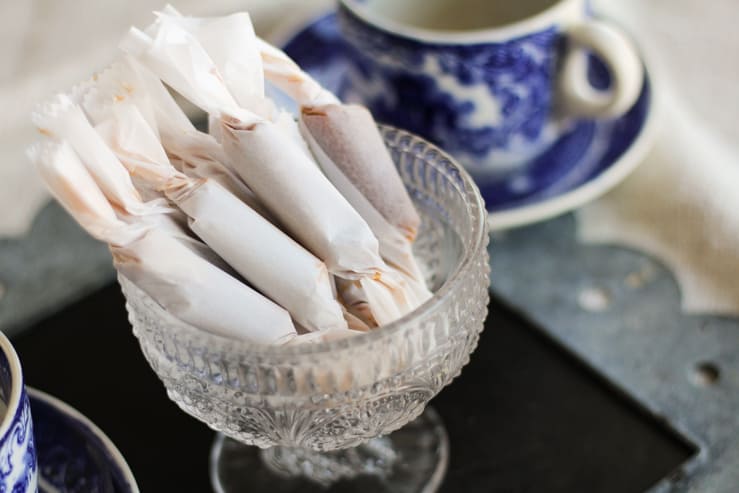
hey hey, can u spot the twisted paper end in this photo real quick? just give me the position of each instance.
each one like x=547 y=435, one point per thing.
x=75 y=189
x=282 y=71
x=112 y=85
x=46 y=114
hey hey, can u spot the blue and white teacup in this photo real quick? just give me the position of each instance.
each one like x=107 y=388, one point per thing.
x=493 y=82
x=18 y=467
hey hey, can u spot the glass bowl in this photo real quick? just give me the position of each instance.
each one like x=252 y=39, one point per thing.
x=318 y=408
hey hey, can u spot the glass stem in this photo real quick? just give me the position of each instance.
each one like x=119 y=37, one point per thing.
x=375 y=458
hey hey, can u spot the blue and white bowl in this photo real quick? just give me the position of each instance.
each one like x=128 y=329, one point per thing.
x=74 y=455
x=493 y=97
x=18 y=467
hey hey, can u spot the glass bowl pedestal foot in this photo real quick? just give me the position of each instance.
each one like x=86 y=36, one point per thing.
x=410 y=460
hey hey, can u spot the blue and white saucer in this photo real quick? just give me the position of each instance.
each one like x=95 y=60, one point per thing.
x=588 y=159
x=74 y=456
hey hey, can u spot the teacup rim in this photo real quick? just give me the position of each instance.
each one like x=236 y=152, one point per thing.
x=16 y=385
x=546 y=18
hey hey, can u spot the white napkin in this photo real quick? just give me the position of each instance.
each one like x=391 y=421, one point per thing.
x=682 y=204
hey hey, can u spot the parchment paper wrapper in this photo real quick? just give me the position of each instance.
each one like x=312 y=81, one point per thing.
x=230 y=43
x=285 y=74
x=279 y=172
x=63 y=118
x=395 y=248
x=127 y=83
x=302 y=198
x=108 y=169
x=316 y=214
x=355 y=301
x=74 y=187
x=350 y=150
x=269 y=259
x=185 y=284
x=348 y=137
x=200 y=294
x=232 y=46
x=265 y=256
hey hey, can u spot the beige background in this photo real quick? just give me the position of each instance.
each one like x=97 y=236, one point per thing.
x=682 y=204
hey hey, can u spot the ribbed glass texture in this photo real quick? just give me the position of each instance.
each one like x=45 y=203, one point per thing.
x=327 y=396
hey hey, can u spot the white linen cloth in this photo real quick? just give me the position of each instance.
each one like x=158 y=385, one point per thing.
x=681 y=205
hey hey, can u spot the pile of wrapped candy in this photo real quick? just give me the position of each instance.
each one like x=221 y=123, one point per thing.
x=268 y=228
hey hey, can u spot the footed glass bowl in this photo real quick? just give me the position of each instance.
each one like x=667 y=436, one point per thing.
x=317 y=409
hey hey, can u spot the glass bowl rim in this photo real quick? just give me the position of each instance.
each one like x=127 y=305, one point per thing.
x=479 y=221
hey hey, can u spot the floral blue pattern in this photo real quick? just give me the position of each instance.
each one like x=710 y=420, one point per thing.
x=581 y=152
x=442 y=88
x=18 y=469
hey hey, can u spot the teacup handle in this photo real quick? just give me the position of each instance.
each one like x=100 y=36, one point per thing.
x=577 y=97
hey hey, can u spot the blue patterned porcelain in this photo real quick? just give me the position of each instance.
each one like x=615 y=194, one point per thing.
x=74 y=456
x=484 y=96
x=588 y=157
x=18 y=469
